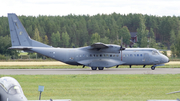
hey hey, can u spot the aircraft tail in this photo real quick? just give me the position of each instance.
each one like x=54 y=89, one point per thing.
x=19 y=37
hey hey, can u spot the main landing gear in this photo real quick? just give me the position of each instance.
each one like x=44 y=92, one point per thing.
x=95 y=68
x=153 y=67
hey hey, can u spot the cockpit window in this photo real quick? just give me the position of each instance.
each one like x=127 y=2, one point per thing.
x=14 y=90
x=154 y=52
x=10 y=85
x=159 y=52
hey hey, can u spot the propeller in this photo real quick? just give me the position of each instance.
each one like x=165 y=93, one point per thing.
x=121 y=48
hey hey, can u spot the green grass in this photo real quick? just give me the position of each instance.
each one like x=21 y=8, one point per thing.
x=101 y=87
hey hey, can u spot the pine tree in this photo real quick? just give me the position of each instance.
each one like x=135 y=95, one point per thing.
x=36 y=35
x=172 y=37
x=144 y=42
x=177 y=45
x=46 y=41
x=95 y=38
x=65 y=39
x=55 y=39
x=173 y=42
x=152 y=41
x=125 y=34
x=142 y=32
x=104 y=40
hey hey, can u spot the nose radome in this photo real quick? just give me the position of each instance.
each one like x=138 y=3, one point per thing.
x=165 y=59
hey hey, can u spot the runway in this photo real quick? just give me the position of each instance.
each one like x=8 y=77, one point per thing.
x=89 y=71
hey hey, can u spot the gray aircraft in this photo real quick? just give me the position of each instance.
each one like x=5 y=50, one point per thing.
x=97 y=55
x=10 y=90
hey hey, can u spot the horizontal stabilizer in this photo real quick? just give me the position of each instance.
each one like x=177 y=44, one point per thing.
x=19 y=47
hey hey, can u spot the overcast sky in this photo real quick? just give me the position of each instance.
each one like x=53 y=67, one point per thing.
x=90 y=7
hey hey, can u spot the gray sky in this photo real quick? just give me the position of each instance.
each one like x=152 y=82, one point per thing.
x=90 y=7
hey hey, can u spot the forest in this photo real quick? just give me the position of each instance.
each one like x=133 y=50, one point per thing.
x=160 y=32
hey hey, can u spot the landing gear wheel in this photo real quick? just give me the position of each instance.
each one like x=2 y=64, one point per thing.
x=153 y=67
x=100 y=68
x=94 y=68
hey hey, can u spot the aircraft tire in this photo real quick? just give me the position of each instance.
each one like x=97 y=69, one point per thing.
x=100 y=68
x=94 y=68
x=153 y=67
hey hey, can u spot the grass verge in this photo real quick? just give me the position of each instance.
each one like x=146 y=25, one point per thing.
x=100 y=87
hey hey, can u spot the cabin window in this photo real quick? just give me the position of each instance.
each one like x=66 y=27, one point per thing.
x=90 y=55
x=114 y=55
x=110 y=55
x=124 y=55
x=137 y=54
x=79 y=55
x=100 y=55
x=96 y=55
x=104 y=55
x=134 y=54
x=131 y=55
x=140 y=54
x=107 y=55
x=117 y=55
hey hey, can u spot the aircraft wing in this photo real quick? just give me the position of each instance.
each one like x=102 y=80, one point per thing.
x=106 y=48
x=101 y=62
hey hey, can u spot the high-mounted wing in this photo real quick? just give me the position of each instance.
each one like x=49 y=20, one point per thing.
x=99 y=45
x=107 y=48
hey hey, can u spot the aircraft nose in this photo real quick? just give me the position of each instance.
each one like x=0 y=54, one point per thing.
x=165 y=59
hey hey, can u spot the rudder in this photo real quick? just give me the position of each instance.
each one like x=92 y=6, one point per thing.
x=19 y=36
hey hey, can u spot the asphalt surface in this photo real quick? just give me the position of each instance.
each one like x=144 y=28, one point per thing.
x=89 y=71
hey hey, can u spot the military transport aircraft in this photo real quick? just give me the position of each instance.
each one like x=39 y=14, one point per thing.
x=10 y=90
x=97 y=55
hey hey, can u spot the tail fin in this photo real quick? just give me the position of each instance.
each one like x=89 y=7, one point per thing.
x=19 y=36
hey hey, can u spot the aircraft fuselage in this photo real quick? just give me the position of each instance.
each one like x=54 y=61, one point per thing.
x=130 y=56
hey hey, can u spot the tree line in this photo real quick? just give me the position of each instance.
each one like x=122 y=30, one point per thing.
x=81 y=30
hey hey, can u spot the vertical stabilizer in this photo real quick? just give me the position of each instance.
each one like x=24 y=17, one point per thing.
x=19 y=36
